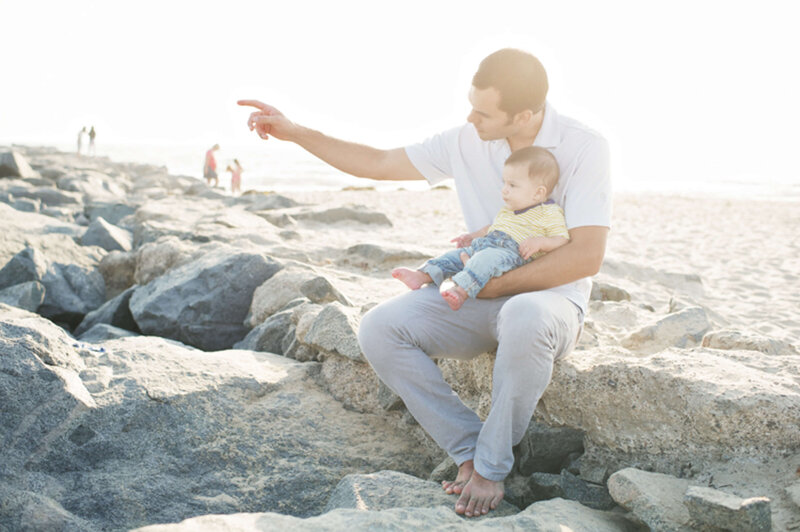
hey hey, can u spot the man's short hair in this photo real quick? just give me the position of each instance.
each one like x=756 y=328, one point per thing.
x=542 y=165
x=519 y=78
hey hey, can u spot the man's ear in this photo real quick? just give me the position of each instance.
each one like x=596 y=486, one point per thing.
x=523 y=117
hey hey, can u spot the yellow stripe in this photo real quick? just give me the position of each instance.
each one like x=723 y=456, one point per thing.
x=544 y=220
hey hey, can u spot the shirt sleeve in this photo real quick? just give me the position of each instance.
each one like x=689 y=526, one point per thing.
x=432 y=156
x=556 y=224
x=588 y=197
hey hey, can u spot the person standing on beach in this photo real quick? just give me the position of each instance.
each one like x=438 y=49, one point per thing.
x=210 y=167
x=92 y=135
x=531 y=315
x=81 y=133
x=236 y=176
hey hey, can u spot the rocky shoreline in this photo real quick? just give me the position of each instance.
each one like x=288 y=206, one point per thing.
x=170 y=353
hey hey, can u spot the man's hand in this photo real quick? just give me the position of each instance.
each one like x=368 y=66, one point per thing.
x=268 y=121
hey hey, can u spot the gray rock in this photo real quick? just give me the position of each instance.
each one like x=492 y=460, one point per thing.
x=26 y=510
x=606 y=292
x=118 y=269
x=92 y=185
x=27 y=296
x=735 y=340
x=389 y=489
x=13 y=164
x=655 y=499
x=446 y=470
x=277 y=292
x=107 y=236
x=546 y=449
x=270 y=335
x=26 y=266
x=113 y=213
x=51 y=197
x=681 y=329
x=278 y=220
x=156 y=258
x=388 y=399
x=168 y=432
x=114 y=312
x=376 y=255
x=320 y=290
x=259 y=201
x=793 y=492
x=101 y=332
x=568 y=486
x=356 y=213
x=334 y=330
x=204 y=302
x=716 y=508
x=27 y=205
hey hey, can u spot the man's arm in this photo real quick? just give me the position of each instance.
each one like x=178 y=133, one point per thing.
x=580 y=257
x=354 y=159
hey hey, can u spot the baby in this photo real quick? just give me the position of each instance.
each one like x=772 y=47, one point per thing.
x=529 y=226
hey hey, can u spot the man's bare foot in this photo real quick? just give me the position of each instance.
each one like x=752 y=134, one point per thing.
x=457 y=486
x=453 y=294
x=479 y=496
x=413 y=279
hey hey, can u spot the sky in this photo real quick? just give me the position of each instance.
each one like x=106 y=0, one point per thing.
x=681 y=89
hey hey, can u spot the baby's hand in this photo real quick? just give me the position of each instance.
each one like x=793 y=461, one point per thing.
x=463 y=241
x=531 y=245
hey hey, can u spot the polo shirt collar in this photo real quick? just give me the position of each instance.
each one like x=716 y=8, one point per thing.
x=549 y=135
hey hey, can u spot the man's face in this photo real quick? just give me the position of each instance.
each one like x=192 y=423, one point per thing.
x=519 y=190
x=490 y=122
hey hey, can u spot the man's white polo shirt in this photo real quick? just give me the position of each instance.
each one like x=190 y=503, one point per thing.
x=583 y=190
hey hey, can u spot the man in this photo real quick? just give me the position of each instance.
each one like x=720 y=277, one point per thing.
x=532 y=315
x=210 y=167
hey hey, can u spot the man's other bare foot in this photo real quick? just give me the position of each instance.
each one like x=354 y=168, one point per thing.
x=457 y=486
x=479 y=496
x=413 y=279
x=454 y=295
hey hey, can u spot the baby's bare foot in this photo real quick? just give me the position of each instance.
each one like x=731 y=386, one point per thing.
x=413 y=279
x=454 y=295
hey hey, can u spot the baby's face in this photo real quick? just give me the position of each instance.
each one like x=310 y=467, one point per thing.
x=519 y=190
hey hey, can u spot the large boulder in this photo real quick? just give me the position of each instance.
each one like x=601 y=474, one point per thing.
x=107 y=236
x=13 y=164
x=277 y=292
x=28 y=295
x=144 y=430
x=655 y=499
x=204 y=302
x=114 y=312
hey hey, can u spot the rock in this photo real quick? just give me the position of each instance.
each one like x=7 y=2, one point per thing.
x=715 y=508
x=389 y=489
x=278 y=220
x=92 y=185
x=71 y=290
x=113 y=312
x=13 y=164
x=335 y=330
x=546 y=449
x=51 y=197
x=26 y=510
x=388 y=399
x=107 y=236
x=27 y=205
x=277 y=292
x=568 y=486
x=27 y=296
x=156 y=258
x=677 y=406
x=320 y=290
x=233 y=431
x=655 y=499
x=607 y=292
x=260 y=201
x=735 y=340
x=101 y=332
x=447 y=470
x=544 y=516
x=357 y=213
x=118 y=269
x=793 y=492
x=379 y=255
x=681 y=329
x=204 y=302
x=269 y=336
x=111 y=212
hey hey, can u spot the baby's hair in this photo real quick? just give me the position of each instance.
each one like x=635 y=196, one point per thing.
x=542 y=165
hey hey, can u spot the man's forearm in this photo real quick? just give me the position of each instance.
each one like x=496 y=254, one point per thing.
x=579 y=258
x=356 y=159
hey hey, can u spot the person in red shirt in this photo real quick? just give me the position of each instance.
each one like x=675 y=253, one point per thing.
x=210 y=167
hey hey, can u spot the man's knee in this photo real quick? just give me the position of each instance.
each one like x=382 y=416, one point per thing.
x=529 y=320
x=374 y=331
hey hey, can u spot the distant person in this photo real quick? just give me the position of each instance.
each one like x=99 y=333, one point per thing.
x=236 y=176
x=92 y=135
x=210 y=167
x=528 y=226
x=81 y=134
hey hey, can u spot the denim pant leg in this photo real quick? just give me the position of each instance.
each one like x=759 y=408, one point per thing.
x=445 y=266
x=483 y=265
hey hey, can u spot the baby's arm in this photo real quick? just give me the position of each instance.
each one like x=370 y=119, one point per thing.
x=536 y=244
x=466 y=239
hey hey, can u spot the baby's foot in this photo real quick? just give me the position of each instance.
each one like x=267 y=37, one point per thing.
x=413 y=279
x=454 y=295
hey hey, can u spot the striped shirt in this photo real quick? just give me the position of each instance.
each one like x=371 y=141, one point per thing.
x=544 y=219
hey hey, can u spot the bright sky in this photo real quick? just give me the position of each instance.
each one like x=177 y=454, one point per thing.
x=689 y=89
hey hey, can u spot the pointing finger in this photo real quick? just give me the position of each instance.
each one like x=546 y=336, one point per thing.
x=253 y=103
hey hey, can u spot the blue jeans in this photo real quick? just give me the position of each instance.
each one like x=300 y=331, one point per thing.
x=490 y=256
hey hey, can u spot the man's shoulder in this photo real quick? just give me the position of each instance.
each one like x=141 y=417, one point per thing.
x=575 y=131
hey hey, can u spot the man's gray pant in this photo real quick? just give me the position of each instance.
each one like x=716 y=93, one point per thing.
x=530 y=331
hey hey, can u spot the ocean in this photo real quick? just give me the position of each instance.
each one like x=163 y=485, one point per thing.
x=283 y=167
